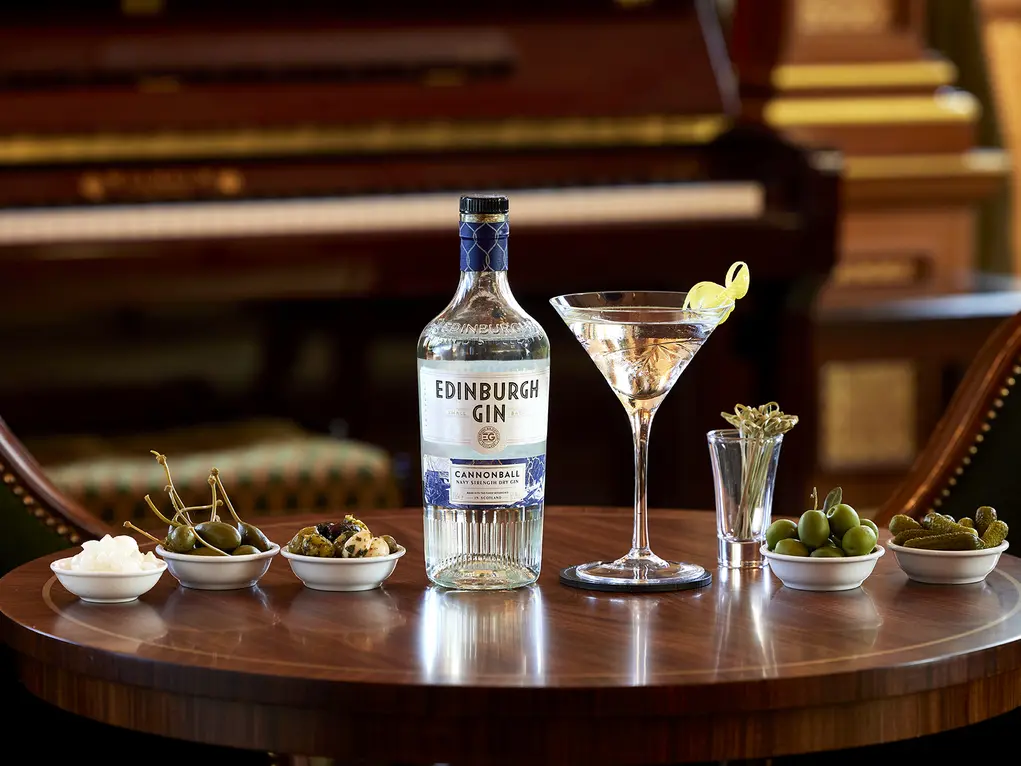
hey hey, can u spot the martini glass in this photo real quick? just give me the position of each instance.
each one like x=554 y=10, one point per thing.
x=641 y=342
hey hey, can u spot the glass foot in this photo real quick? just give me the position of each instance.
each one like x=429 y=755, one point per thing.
x=630 y=570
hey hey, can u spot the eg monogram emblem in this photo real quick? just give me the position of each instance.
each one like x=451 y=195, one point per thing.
x=488 y=437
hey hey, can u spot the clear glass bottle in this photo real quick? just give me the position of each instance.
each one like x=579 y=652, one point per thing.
x=483 y=375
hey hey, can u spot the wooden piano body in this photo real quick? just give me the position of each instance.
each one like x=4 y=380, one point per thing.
x=167 y=181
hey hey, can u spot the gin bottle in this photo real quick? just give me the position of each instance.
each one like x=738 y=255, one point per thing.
x=483 y=380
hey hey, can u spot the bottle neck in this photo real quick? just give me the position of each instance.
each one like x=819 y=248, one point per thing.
x=494 y=282
x=484 y=243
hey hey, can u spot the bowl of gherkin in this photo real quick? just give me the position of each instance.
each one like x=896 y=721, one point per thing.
x=827 y=549
x=342 y=556
x=940 y=550
x=205 y=548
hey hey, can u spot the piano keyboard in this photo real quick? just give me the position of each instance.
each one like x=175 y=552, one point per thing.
x=648 y=203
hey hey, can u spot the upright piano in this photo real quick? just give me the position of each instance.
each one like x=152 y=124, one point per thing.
x=176 y=177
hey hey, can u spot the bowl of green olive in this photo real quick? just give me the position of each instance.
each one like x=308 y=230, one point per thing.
x=940 y=550
x=216 y=552
x=827 y=549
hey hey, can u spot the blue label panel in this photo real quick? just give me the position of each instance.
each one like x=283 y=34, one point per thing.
x=484 y=246
x=465 y=483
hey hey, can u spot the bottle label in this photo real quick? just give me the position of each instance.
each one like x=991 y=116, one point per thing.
x=466 y=483
x=484 y=246
x=487 y=412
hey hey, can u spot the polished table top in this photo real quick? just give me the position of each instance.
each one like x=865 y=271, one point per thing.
x=737 y=669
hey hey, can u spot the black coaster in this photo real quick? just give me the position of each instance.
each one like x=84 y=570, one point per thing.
x=570 y=578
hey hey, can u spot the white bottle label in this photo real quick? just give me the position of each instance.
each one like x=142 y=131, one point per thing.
x=487 y=411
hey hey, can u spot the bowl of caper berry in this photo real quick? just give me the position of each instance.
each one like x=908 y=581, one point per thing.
x=342 y=556
x=205 y=548
x=939 y=550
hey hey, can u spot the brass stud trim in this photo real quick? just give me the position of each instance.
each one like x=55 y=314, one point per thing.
x=952 y=481
x=979 y=438
x=998 y=403
x=946 y=493
x=967 y=461
x=991 y=415
x=1017 y=369
x=1004 y=392
x=937 y=503
x=972 y=450
x=1011 y=380
x=65 y=530
x=958 y=470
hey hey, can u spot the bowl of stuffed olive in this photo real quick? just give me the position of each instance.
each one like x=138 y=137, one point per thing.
x=342 y=556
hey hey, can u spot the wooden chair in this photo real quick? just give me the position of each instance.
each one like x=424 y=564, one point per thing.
x=35 y=517
x=971 y=458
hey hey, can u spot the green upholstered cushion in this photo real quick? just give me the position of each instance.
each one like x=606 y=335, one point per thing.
x=23 y=537
x=267 y=468
x=993 y=476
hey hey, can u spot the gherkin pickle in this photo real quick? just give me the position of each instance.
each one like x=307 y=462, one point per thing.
x=902 y=523
x=910 y=534
x=966 y=522
x=995 y=534
x=953 y=541
x=984 y=516
x=940 y=523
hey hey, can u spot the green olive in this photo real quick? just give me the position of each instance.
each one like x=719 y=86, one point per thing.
x=394 y=546
x=781 y=529
x=813 y=528
x=245 y=550
x=180 y=540
x=871 y=525
x=296 y=543
x=219 y=534
x=842 y=518
x=253 y=536
x=858 y=541
x=317 y=545
x=827 y=552
x=791 y=547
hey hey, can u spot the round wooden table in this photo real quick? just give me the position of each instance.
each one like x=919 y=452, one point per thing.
x=744 y=668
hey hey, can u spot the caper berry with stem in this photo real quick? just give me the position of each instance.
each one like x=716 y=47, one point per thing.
x=250 y=534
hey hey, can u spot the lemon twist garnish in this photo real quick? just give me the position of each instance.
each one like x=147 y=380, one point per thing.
x=709 y=295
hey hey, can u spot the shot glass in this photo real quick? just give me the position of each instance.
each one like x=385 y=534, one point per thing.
x=744 y=472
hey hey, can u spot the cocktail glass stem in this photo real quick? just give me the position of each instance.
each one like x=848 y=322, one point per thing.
x=641 y=423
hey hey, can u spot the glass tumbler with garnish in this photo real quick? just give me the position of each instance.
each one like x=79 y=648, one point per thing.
x=641 y=342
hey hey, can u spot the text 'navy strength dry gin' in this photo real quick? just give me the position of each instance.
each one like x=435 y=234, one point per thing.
x=483 y=388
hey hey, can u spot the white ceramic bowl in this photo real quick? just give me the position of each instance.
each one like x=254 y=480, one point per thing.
x=806 y=573
x=106 y=587
x=947 y=567
x=218 y=572
x=342 y=574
